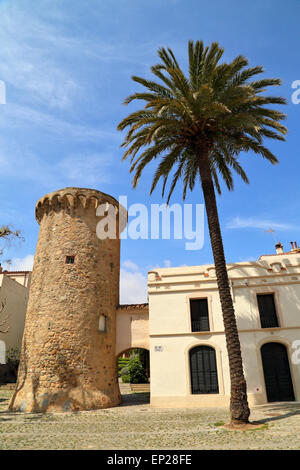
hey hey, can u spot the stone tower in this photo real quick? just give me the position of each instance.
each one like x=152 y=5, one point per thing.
x=67 y=361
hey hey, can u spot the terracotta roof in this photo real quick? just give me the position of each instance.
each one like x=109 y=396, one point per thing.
x=16 y=272
x=133 y=306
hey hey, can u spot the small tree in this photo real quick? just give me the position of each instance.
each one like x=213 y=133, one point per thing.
x=7 y=235
x=136 y=371
x=7 y=232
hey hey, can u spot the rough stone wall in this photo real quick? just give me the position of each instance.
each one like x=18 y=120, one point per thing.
x=66 y=362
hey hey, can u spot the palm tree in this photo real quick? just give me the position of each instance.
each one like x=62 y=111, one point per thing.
x=198 y=125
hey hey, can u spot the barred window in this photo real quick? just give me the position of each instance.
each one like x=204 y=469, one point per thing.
x=199 y=314
x=203 y=368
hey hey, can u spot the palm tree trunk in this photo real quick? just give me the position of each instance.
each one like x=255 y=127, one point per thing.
x=239 y=409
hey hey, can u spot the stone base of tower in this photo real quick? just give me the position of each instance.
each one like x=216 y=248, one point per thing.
x=27 y=399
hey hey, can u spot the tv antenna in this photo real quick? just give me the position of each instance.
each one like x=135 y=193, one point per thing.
x=272 y=232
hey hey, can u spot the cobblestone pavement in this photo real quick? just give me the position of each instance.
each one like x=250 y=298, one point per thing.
x=135 y=425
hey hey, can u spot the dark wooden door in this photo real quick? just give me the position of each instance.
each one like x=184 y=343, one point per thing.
x=279 y=386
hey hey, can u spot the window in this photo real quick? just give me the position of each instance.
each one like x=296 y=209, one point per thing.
x=267 y=310
x=203 y=368
x=199 y=314
x=70 y=259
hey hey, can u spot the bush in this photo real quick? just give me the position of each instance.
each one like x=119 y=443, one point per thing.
x=13 y=355
x=124 y=371
x=126 y=379
x=136 y=371
x=122 y=362
x=12 y=360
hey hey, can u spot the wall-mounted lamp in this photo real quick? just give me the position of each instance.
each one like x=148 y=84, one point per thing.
x=102 y=323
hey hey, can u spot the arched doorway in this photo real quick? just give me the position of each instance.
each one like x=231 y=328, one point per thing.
x=143 y=356
x=278 y=380
x=134 y=375
x=203 y=369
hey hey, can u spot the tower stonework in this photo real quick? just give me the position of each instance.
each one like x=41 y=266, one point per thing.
x=67 y=363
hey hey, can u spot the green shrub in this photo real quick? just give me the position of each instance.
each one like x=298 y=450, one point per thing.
x=136 y=371
x=122 y=362
x=13 y=355
x=124 y=371
x=12 y=360
x=126 y=379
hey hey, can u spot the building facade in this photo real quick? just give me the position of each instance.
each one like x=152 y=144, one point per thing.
x=14 y=290
x=188 y=356
x=75 y=329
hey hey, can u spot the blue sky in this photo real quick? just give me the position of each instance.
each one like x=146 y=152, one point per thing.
x=67 y=67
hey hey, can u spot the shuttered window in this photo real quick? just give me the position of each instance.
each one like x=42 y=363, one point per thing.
x=199 y=314
x=267 y=311
x=203 y=368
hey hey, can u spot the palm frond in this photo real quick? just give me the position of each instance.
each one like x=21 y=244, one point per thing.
x=219 y=108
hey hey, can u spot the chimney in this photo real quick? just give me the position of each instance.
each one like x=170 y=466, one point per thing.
x=292 y=245
x=279 y=248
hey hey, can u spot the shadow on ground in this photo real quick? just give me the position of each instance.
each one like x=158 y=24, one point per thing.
x=133 y=399
x=278 y=411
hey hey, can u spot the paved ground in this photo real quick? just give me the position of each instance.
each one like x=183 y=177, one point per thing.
x=135 y=425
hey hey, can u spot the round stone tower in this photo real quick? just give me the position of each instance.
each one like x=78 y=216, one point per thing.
x=68 y=351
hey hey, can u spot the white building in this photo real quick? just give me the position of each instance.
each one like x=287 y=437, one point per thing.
x=182 y=327
x=188 y=357
x=14 y=290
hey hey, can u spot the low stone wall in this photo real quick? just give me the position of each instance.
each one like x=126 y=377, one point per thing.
x=140 y=388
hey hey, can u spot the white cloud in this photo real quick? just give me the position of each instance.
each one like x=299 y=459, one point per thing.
x=20 y=264
x=91 y=168
x=82 y=169
x=252 y=222
x=41 y=59
x=133 y=284
x=246 y=260
x=14 y=115
x=165 y=264
x=130 y=265
x=28 y=59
